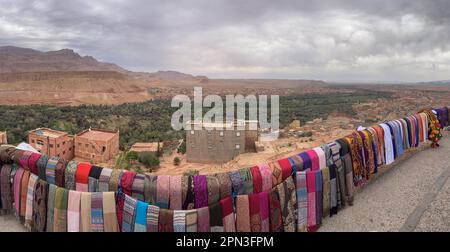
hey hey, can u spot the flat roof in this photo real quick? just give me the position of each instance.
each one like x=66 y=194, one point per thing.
x=97 y=134
x=141 y=147
x=49 y=132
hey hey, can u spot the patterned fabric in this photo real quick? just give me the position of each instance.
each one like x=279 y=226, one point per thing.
x=277 y=175
x=175 y=197
x=213 y=189
x=32 y=162
x=276 y=220
x=311 y=187
x=114 y=180
x=246 y=175
x=69 y=177
x=150 y=189
x=126 y=182
x=94 y=176
x=140 y=224
x=225 y=184
x=315 y=162
x=97 y=212
x=226 y=205
x=60 y=170
x=191 y=221
x=302 y=201
x=215 y=217
x=179 y=221
x=266 y=175
x=319 y=196
x=200 y=191
x=152 y=218
x=40 y=206
x=187 y=184
x=321 y=156
x=288 y=201
x=82 y=177
x=23 y=159
x=264 y=211
x=29 y=204
x=109 y=213
x=5 y=190
x=165 y=220
x=50 y=170
x=162 y=191
x=17 y=185
x=50 y=207
x=85 y=212
x=203 y=219
x=23 y=192
x=73 y=211
x=129 y=214
x=326 y=197
x=103 y=181
x=333 y=190
x=255 y=213
x=42 y=165
x=138 y=187
x=237 y=182
x=286 y=168
x=242 y=214
x=60 y=212
x=257 y=179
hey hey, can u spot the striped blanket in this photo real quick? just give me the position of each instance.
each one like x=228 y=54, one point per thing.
x=97 y=212
x=152 y=218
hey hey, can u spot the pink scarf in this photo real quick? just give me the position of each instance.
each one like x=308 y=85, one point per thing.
x=314 y=159
x=73 y=211
x=264 y=211
x=203 y=220
x=17 y=184
x=286 y=167
x=321 y=156
x=175 y=192
x=266 y=175
x=311 y=188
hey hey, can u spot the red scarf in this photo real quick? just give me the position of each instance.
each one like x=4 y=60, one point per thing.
x=257 y=179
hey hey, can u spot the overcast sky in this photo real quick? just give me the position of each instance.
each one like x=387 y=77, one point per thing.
x=359 y=40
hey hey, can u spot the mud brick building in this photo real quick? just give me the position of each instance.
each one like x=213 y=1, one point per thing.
x=97 y=145
x=52 y=142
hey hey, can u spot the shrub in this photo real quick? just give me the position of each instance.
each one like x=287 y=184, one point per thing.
x=176 y=161
x=150 y=160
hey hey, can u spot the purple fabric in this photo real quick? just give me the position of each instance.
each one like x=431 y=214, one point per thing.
x=200 y=191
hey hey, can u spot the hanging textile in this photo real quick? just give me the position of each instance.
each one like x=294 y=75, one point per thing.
x=165 y=220
x=191 y=221
x=126 y=182
x=60 y=170
x=179 y=221
x=237 y=182
x=266 y=175
x=264 y=211
x=103 y=181
x=188 y=192
x=200 y=191
x=321 y=156
x=242 y=214
x=225 y=184
x=114 y=180
x=82 y=177
x=315 y=163
x=32 y=162
x=246 y=176
x=109 y=212
x=97 y=212
x=286 y=168
x=150 y=187
x=140 y=224
x=152 y=218
x=162 y=191
x=73 y=211
x=137 y=188
x=257 y=179
x=129 y=214
x=226 y=205
x=302 y=201
x=255 y=213
x=69 y=175
x=40 y=206
x=17 y=185
x=213 y=189
x=50 y=170
x=60 y=212
x=85 y=212
x=23 y=193
x=276 y=221
x=42 y=165
x=311 y=187
x=29 y=203
x=215 y=218
x=288 y=199
x=175 y=193
x=277 y=176
x=94 y=176
x=6 y=188
x=203 y=219
x=326 y=192
x=50 y=207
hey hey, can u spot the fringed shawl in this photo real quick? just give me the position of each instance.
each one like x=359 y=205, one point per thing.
x=50 y=170
x=71 y=171
x=109 y=212
x=129 y=214
x=203 y=219
x=319 y=195
x=40 y=206
x=152 y=218
x=257 y=179
x=242 y=214
x=138 y=187
x=200 y=191
x=191 y=221
x=226 y=205
x=213 y=189
x=288 y=202
x=162 y=191
x=60 y=212
x=302 y=201
x=266 y=175
x=311 y=187
x=255 y=213
x=29 y=204
x=50 y=207
x=73 y=211
x=179 y=221
x=82 y=177
x=103 y=181
x=225 y=184
x=165 y=220
x=140 y=224
x=97 y=212
x=264 y=211
x=175 y=193
x=276 y=220
x=85 y=212
x=150 y=189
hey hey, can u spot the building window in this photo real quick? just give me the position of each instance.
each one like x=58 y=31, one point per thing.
x=192 y=132
x=221 y=133
x=40 y=142
x=238 y=134
x=57 y=145
x=64 y=152
x=238 y=146
x=32 y=141
x=104 y=148
x=51 y=145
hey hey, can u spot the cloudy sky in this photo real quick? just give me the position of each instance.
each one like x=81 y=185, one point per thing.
x=359 y=40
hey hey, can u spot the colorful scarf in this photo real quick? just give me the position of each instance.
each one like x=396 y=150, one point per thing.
x=266 y=175
x=237 y=182
x=257 y=179
x=109 y=213
x=319 y=197
x=297 y=163
x=32 y=162
x=60 y=170
x=82 y=177
x=326 y=192
x=246 y=175
x=94 y=176
x=315 y=162
x=17 y=185
x=129 y=214
x=23 y=192
x=152 y=218
x=73 y=211
x=40 y=206
x=191 y=221
x=42 y=166
x=60 y=212
x=200 y=191
x=288 y=200
x=213 y=189
x=165 y=220
x=321 y=155
x=187 y=184
x=140 y=224
x=138 y=187
x=50 y=207
x=126 y=182
x=306 y=161
x=175 y=196
x=6 y=192
x=97 y=212
x=225 y=184
x=103 y=181
x=85 y=212
x=50 y=170
x=302 y=201
x=120 y=202
x=276 y=220
x=215 y=218
x=286 y=168
x=179 y=221
x=333 y=190
x=150 y=189
x=203 y=219
x=242 y=214
x=226 y=205
x=114 y=180
x=264 y=211
x=162 y=191
x=277 y=175
x=311 y=187
x=255 y=213
x=23 y=159
x=29 y=204
x=71 y=171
